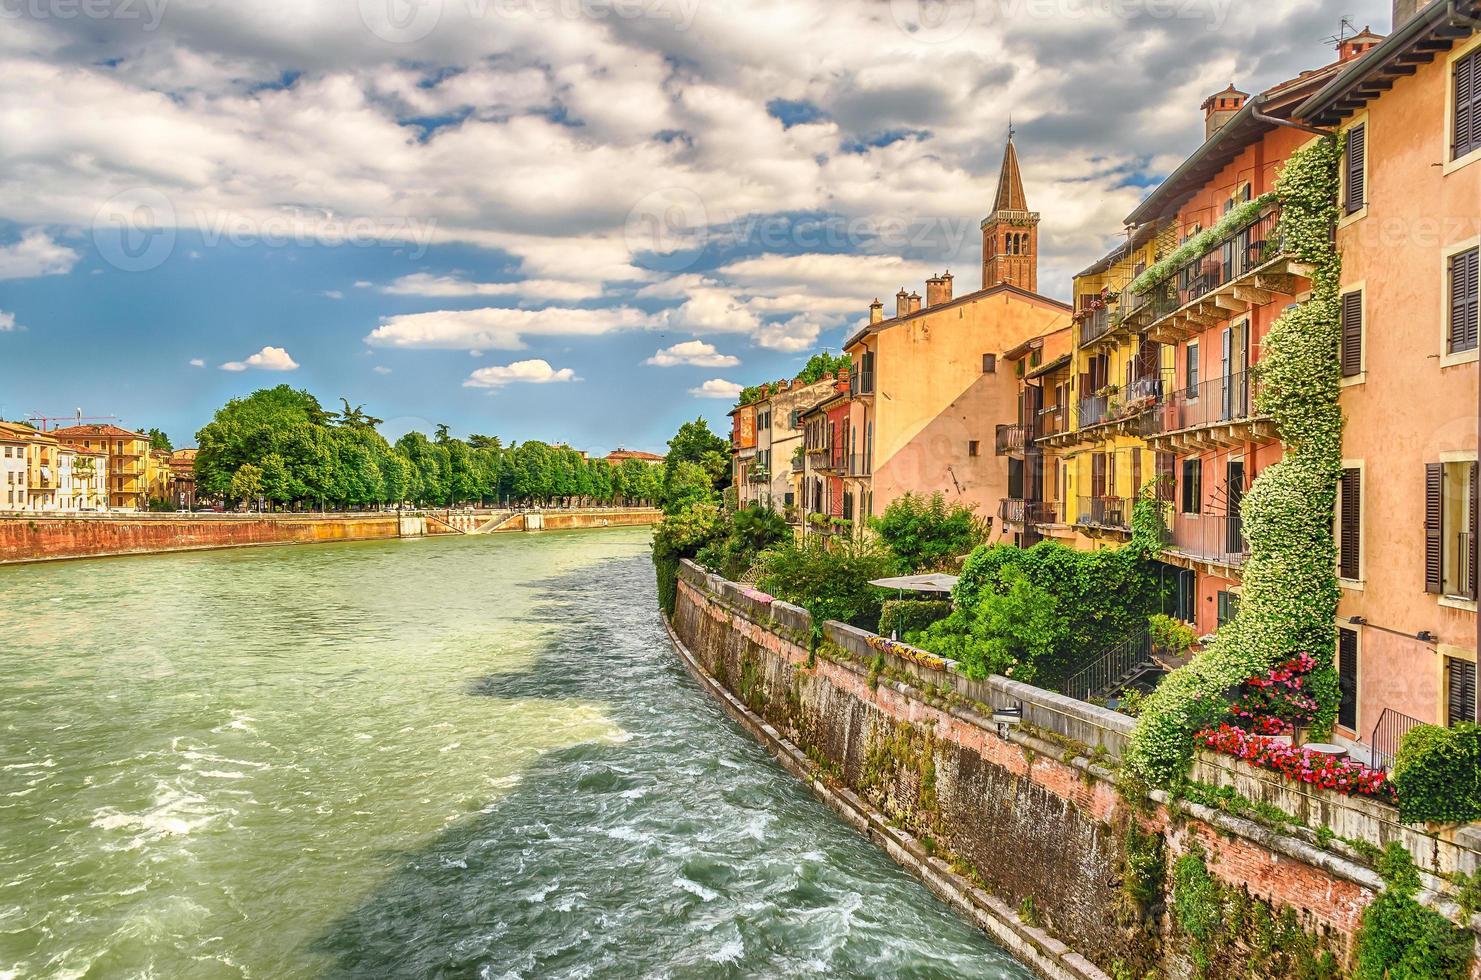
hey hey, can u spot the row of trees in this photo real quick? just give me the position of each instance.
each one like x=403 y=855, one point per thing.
x=281 y=446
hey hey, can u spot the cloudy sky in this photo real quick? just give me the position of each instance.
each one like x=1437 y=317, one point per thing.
x=579 y=220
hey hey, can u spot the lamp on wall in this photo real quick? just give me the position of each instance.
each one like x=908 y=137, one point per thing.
x=1006 y=719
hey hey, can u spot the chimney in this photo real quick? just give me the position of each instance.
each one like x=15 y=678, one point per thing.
x=876 y=311
x=902 y=303
x=1350 y=48
x=1220 y=108
x=938 y=290
x=842 y=378
x=1404 y=11
x=915 y=302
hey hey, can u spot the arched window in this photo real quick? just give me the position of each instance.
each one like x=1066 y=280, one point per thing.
x=1008 y=244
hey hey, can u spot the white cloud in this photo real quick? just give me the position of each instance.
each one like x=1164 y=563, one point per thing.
x=7 y=323
x=267 y=359
x=713 y=311
x=694 y=353
x=531 y=290
x=381 y=369
x=717 y=388
x=500 y=328
x=334 y=294
x=197 y=362
x=537 y=372
x=798 y=334
x=36 y=254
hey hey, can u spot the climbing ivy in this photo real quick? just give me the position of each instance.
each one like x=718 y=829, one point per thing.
x=1401 y=939
x=1201 y=243
x=1290 y=591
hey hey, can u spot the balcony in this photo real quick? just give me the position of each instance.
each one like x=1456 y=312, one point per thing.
x=1106 y=513
x=1245 y=268
x=1052 y=422
x=1095 y=325
x=831 y=462
x=1014 y=439
x=758 y=474
x=860 y=465
x=861 y=384
x=1213 y=414
x=1122 y=406
x=1207 y=539
x=799 y=463
x=1014 y=510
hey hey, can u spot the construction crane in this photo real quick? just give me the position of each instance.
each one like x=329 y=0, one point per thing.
x=76 y=418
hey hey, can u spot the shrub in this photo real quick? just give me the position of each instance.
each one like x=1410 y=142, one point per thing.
x=830 y=579
x=1171 y=635
x=679 y=536
x=928 y=534
x=901 y=617
x=743 y=536
x=1438 y=774
x=1015 y=630
x=1402 y=940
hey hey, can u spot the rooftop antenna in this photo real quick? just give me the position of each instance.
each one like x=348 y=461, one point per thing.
x=1345 y=30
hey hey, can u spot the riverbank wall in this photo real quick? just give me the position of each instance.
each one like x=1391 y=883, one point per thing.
x=50 y=537
x=1026 y=828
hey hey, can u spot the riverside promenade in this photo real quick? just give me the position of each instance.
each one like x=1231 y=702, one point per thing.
x=52 y=537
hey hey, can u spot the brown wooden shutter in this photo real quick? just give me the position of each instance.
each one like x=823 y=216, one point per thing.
x=1434 y=545
x=1460 y=685
x=1467 y=105
x=1357 y=164
x=1347 y=679
x=1351 y=535
x=1475 y=528
x=1465 y=304
x=1352 y=334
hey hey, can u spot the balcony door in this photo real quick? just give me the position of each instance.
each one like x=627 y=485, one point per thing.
x=1234 y=351
x=1234 y=490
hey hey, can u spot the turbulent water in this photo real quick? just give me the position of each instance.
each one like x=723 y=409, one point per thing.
x=474 y=757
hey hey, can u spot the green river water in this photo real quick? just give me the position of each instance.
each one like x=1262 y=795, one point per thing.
x=467 y=757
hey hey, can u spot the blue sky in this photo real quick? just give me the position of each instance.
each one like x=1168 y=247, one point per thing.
x=568 y=225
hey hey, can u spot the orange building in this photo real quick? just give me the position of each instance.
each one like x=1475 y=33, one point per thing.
x=928 y=391
x=1409 y=233
x=127 y=465
x=1031 y=509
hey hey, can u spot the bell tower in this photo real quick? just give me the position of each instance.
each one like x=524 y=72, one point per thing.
x=1010 y=235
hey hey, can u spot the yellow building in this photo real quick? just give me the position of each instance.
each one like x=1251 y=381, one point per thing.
x=128 y=461
x=1115 y=374
x=928 y=390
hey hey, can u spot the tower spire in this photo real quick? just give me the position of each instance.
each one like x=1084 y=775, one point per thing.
x=1010 y=234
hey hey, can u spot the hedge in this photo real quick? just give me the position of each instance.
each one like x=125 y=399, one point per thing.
x=1438 y=774
x=902 y=617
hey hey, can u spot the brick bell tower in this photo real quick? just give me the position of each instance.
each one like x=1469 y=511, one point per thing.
x=1010 y=235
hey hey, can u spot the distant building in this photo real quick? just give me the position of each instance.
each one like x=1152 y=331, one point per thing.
x=622 y=455
x=13 y=468
x=182 y=478
x=128 y=461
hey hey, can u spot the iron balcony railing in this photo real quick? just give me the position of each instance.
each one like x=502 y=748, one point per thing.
x=1239 y=253
x=1014 y=438
x=1139 y=395
x=1215 y=538
x=860 y=465
x=861 y=384
x=1112 y=512
x=1387 y=734
x=1015 y=510
x=1114 y=670
x=1051 y=422
x=1229 y=398
x=758 y=474
x=1095 y=325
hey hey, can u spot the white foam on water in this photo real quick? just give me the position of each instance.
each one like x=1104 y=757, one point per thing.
x=731 y=952
x=47 y=763
x=695 y=888
x=449 y=748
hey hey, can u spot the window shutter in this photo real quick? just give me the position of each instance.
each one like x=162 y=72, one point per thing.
x=1434 y=570
x=989 y=363
x=1351 y=540
x=1347 y=679
x=1465 y=304
x=1352 y=334
x=1357 y=160
x=1471 y=588
x=1460 y=677
x=1467 y=105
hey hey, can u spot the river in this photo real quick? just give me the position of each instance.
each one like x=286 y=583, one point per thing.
x=465 y=757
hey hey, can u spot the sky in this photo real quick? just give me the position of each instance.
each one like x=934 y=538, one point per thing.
x=580 y=221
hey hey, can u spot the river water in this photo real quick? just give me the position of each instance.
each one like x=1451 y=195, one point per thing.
x=468 y=757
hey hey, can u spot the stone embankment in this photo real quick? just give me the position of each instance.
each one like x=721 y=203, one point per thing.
x=1027 y=829
x=47 y=537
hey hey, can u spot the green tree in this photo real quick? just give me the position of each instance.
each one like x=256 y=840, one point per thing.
x=1014 y=630
x=829 y=579
x=820 y=364
x=245 y=484
x=695 y=443
x=927 y=534
x=688 y=485
x=158 y=440
x=678 y=536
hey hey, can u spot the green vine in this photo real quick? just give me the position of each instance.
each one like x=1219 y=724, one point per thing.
x=1401 y=939
x=1290 y=584
x=1201 y=243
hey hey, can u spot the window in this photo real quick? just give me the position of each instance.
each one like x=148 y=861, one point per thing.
x=1350 y=352
x=1460 y=691
x=1347 y=679
x=1450 y=529
x=1191 y=370
x=989 y=363
x=1228 y=604
x=1467 y=105
x=1192 y=485
x=1187 y=596
x=1355 y=176
x=973 y=448
x=1465 y=301
x=1349 y=535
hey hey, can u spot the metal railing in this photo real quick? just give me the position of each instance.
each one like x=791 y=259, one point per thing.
x=1138 y=396
x=798 y=463
x=1229 y=398
x=1014 y=438
x=1209 y=537
x=1095 y=326
x=860 y=465
x=1051 y=422
x=1116 y=668
x=1391 y=728
x=1231 y=257
x=861 y=384
x=758 y=474
x=1015 y=510
x=1113 y=512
